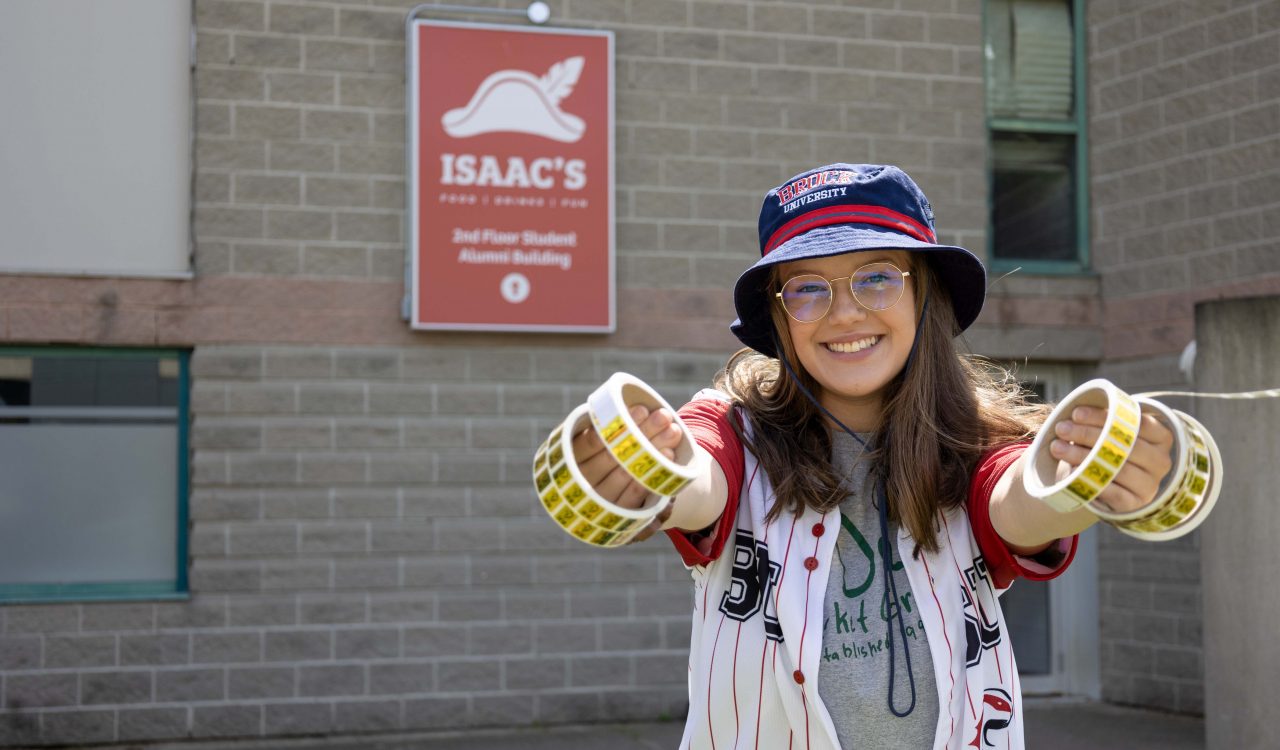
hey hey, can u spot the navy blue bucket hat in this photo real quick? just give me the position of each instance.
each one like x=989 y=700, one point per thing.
x=846 y=208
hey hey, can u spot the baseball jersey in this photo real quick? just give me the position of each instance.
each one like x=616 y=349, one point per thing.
x=759 y=587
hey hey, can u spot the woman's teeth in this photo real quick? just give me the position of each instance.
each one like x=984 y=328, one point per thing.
x=849 y=347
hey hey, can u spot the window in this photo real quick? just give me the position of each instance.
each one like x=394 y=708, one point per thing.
x=95 y=142
x=93 y=460
x=1035 y=119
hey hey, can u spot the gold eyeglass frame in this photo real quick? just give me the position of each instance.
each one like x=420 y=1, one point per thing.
x=832 y=284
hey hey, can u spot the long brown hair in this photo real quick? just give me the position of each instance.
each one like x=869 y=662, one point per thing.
x=940 y=414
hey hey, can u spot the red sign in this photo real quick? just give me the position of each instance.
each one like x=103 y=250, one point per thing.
x=511 y=191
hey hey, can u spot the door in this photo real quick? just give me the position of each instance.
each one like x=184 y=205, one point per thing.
x=1054 y=624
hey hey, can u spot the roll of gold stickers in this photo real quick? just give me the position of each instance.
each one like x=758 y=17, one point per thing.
x=1185 y=502
x=1186 y=494
x=611 y=415
x=1105 y=459
x=570 y=499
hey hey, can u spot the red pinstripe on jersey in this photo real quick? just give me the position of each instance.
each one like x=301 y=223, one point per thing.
x=764 y=651
x=942 y=614
x=777 y=592
x=737 y=723
x=715 y=649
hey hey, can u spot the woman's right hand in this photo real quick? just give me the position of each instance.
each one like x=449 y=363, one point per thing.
x=607 y=476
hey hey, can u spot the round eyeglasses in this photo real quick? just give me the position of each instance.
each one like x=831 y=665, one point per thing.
x=875 y=286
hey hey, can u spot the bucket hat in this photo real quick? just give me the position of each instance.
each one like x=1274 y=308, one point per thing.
x=845 y=208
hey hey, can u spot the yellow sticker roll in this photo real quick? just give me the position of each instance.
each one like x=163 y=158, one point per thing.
x=1185 y=495
x=610 y=406
x=573 y=503
x=1105 y=458
x=1172 y=485
x=1197 y=489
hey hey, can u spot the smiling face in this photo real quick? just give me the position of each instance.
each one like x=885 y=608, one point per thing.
x=853 y=352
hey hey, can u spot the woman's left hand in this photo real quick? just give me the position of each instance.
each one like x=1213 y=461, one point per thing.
x=1028 y=524
x=1136 y=483
x=1138 y=480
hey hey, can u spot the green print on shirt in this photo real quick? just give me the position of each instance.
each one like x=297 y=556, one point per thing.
x=844 y=619
x=848 y=526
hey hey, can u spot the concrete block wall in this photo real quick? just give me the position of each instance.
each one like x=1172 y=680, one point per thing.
x=366 y=555
x=1185 y=139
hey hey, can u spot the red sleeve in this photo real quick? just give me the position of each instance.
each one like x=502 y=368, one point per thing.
x=708 y=420
x=1002 y=564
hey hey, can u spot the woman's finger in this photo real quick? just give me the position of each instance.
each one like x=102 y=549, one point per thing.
x=1122 y=499
x=1151 y=460
x=614 y=484
x=1145 y=459
x=596 y=465
x=1070 y=452
x=661 y=428
x=594 y=461
x=586 y=445
x=1083 y=430
x=1154 y=432
x=654 y=526
x=1149 y=464
x=1138 y=481
x=1132 y=487
x=633 y=494
x=601 y=469
x=1083 y=427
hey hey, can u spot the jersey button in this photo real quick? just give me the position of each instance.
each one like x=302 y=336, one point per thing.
x=798 y=676
x=818 y=529
x=811 y=563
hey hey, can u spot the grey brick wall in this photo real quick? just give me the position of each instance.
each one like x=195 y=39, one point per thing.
x=365 y=555
x=1149 y=594
x=1185 y=130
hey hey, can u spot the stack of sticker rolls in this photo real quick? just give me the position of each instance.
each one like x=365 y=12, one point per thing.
x=572 y=502
x=1186 y=494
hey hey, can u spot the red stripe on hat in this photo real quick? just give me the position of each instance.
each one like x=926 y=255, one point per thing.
x=922 y=228
x=846 y=215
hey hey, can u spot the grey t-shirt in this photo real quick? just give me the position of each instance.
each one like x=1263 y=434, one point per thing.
x=853 y=677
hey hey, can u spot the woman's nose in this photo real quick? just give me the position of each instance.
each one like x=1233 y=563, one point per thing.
x=844 y=308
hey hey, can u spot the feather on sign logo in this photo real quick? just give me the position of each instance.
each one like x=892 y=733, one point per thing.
x=516 y=101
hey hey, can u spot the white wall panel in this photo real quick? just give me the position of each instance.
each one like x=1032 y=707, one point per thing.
x=95 y=164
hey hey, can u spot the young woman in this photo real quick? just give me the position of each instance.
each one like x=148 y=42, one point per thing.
x=862 y=504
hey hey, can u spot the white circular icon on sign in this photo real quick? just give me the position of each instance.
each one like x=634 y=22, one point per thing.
x=515 y=288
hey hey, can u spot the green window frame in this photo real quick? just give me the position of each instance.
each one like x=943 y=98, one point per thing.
x=175 y=587
x=1075 y=127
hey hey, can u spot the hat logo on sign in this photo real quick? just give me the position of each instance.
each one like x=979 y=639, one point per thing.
x=516 y=101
